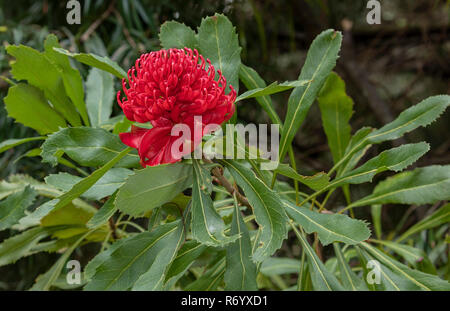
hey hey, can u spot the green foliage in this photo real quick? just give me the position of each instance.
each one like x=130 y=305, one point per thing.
x=202 y=225
x=320 y=61
x=153 y=186
x=100 y=96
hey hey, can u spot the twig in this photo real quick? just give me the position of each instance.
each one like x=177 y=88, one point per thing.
x=227 y=185
x=97 y=23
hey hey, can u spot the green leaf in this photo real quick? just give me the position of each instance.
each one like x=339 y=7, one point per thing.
x=186 y=256
x=321 y=278
x=100 y=258
x=420 y=279
x=271 y=89
x=13 y=208
x=40 y=72
x=87 y=146
x=154 y=278
x=102 y=63
x=45 y=281
x=376 y=211
x=319 y=62
x=72 y=80
x=267 y=207
x=251 y=79
x=11 y=143
x=395 y=159
x=177 y=35
x=218 y=41
x=153 y=186
x=105 y=186
x=416 y=116
x=104 y=213
x=439 y=217
x=388 y=281
x=354 y=158
x=85 y=184
x=425 y=185
x=20 y=245
x=329 y=227
x=100 y=96
x=211 y=279
x=22 y=99
x=276 y=266
x=421 y=114
x=315 y=182
x=240 y=273
x=207 y=226
x=412 y=255
x=336 y=109
x=348 y=278
x=127 y=262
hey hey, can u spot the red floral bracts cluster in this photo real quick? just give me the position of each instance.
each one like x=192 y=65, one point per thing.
x=171 y=87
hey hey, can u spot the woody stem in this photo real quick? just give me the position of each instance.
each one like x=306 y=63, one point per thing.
x=227 y=185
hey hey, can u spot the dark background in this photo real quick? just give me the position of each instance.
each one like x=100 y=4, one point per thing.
x=387 y=68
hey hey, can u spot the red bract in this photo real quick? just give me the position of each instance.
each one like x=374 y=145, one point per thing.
x=171 y=87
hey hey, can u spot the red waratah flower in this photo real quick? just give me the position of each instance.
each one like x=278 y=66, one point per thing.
x=171 y=87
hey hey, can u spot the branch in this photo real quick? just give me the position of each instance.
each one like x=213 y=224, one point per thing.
x=227 y=185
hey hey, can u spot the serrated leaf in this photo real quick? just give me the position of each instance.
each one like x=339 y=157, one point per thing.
x=315 y=182
x=375 y=211
x=72 y=80
x=21 y=245
x=439 y=217
x=154 y=278
x=395 y=159
x=11 y=143
x=99 y=96
x=153 y=186
x=177 y=35
x=321 y=278
x=130 y=260
x=412 y=255
x=105 y=186
x=388 y=280
x=207 y=226
x=87 y=146
x=276 y=266
x=22 y=99
x=329 y=227
x=273 y=88
x=86 y=183
x=336 y=109
x=416 y=116
x=40 y=72
x=425 y=185
x=240 y=273
x=13 y=208
x=267 y=207
x=218 y=41
x=319 y=62
x=102 y=63
x=186 y=256
x=46 y=280
x=420 y=279
x=348 y=278
x=251 y=79
x=104 y=213
x=211 y=279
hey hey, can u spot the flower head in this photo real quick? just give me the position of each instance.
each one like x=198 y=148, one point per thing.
x=171 y=87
